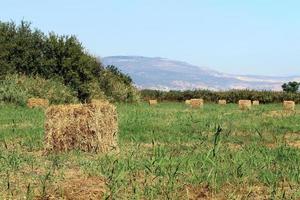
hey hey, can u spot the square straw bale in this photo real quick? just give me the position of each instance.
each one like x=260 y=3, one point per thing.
x=255 y=103
x=152 y=102
x=222 y=102
x=289 y=105
x=97 y=101
x=88 y=127
x=245 y=104
x=37 y=103
x=188 y=102
x=196 y=103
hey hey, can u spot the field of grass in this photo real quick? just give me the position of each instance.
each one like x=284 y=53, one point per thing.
x=168 y=151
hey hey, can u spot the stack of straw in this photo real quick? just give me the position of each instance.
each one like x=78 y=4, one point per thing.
x=88 y=127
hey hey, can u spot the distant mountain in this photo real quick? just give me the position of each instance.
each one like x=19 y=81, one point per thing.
x=166 y=74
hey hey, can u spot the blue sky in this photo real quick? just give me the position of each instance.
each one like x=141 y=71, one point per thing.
x=233 y=36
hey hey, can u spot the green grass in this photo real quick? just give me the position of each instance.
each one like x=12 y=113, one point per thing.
x=168 y=151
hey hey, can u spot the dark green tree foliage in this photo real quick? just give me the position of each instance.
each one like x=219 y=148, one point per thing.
x=123 y=77
x=65 y=58
x=21 y=49
x=292 y=87
x=31 y=52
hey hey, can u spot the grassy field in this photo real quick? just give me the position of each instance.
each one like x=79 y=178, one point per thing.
x=168 y=151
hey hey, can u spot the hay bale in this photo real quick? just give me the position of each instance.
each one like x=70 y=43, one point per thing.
x=152 y=102
x=88 y=127
x=289 y=105
x=255 y=103
x=188 y=102
x=96 y=101
x=245 y=104
x=196 y=103
x=222 y=102
x=37 y=103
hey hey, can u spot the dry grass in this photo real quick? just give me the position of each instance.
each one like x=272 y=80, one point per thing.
x=37 y=102
x=89 y=127
x=198 y=192
x=73 y=184
x=245 y=104
x=78 y=186
x=292 y=139
x=279 y=113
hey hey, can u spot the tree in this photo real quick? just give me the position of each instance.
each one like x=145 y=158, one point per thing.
x=123 y=77
x=291 y=87
x=30 y=52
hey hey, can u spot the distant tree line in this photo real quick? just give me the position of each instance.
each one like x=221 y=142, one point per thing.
x=232 y=96
x=30 y=52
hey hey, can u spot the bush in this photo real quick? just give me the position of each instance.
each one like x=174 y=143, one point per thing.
x=17 y=89
x=10 y=92
x=118 y=86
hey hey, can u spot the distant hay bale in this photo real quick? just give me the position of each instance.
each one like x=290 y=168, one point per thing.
x=196 y=103
x=152 y=102
x=245 y=104
x=96 y=101
x=289 y=105
x=37 y=103
x=255 y=103
x=187 y=102
x=222 y=102
x=88 y=127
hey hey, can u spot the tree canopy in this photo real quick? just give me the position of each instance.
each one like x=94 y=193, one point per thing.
x=292 y=87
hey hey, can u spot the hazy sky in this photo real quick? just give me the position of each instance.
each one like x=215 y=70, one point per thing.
x=234 y=36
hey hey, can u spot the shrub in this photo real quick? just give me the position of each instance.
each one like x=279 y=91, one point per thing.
x=18 y=88
x=118 y=86
x=10 y=92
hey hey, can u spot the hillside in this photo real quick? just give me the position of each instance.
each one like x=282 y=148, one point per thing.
x=165 y=74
